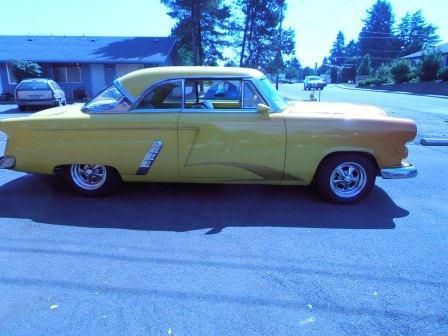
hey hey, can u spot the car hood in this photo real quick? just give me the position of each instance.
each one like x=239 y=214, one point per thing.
x=342 y=110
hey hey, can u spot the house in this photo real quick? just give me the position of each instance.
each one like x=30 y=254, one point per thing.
x=417 y=57
x=84 y=65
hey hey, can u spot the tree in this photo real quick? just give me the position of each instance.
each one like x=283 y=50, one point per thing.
x=349 y=70
x=259 y=38
x=401 y=71
x=292 y=69
x=351 y=49
x=307 y=71
x=416 y=34
x=337 y=52
x=324 y=68
x=365 y=68
x=377 y=37
x=25 y=69
x=430 y=66
x=201 y=29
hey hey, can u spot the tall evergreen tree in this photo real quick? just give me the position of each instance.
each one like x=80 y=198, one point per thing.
x=351 y=49
x=377 y=37
x=416 y=34
x=201 y=29
x=337 y=52
x=260 y=39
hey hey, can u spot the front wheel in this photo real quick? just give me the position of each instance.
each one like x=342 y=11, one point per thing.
x=346 y=178
x=92 y=180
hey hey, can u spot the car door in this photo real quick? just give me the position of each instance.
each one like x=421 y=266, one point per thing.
x=222 y=137
x=141 y=142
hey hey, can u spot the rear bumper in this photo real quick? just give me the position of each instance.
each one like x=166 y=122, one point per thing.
x=37 y=102
x=7 y=162
x=405 y=171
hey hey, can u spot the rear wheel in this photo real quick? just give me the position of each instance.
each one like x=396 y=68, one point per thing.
x=92 y=180
x=346 y=178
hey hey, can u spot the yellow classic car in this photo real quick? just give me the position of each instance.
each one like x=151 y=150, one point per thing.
x=209 y=125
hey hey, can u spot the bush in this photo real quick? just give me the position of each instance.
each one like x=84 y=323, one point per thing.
x=401 y=71
x=443 y=74
x=372 y=81
x=383 y=74
x=430 y=66
x=365 y=68
x=26 y=69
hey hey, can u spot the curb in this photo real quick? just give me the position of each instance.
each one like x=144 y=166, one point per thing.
x=390 y=91
x=434 y=142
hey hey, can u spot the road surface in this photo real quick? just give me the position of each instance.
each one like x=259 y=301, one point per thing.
x=231 y=260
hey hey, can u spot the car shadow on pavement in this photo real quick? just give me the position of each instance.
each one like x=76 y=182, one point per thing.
x=185 y=207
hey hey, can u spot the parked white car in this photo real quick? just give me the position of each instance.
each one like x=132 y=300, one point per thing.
x=313 y=82
x=39 y=92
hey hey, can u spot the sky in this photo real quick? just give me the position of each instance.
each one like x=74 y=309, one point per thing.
x=316 y=22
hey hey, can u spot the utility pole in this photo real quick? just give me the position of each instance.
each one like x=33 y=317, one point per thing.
x=278 y=61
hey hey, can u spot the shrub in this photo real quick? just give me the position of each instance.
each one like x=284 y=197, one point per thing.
x=383 y=74
x=443 y=74
x=401 y=71
x=430 y=66
x=26 y=69
x=372 y=81
x=365 y=68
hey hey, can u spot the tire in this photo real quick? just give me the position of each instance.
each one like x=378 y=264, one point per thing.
x=92 y=180
x=22 y=108
x=345 y=178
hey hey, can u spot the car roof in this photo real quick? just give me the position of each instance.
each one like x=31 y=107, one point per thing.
x=136 y=82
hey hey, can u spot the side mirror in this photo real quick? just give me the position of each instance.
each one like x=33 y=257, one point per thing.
x=263 y=110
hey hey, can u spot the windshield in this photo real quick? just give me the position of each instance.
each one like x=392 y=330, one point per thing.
x=314 y=78
x=272 y=94
x=110 y=100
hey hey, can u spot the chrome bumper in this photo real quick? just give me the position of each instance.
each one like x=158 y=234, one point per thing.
x=405 y=171
x=7 y=162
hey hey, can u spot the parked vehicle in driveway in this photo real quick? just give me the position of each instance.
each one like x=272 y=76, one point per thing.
x=313 y=82
x=39 y=92
x=162 y=125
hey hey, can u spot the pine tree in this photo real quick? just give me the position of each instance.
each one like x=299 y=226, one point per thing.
x=201 y=29
x=377 y=37
x=260 y=38
x=337 y=52
x=416 y=34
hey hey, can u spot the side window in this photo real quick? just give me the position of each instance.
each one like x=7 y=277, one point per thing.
x=166 y=96
x=213 y=94
x=251 y=97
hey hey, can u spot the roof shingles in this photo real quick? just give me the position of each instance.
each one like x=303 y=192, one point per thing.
x=86 y=49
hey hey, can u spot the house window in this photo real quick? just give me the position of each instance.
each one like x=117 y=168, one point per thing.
x=11 y=78
x=69 y=73
x=123 y=69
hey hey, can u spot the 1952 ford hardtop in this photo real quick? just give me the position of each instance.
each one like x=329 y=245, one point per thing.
x=211 y=125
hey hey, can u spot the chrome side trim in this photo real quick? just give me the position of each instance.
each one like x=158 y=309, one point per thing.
x=125 y=92
x=405 y=171
x=7 y=162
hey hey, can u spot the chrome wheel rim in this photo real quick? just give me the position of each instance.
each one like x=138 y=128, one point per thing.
x=348 y=179
x=88 y=176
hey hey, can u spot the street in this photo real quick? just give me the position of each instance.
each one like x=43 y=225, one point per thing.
x=166 y=259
